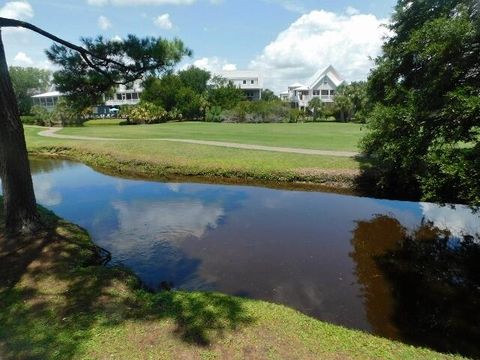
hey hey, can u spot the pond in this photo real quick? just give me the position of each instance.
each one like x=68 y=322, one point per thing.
x=386 y=267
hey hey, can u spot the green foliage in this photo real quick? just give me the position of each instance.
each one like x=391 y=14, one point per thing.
x=352 y=103
x=269 y=95
x=317 y=108
x=66 y=113
x=195 y=79
x=26 y=82
x=258 y=112
x=162 y=91
x=224 y=93
x=184 y=92
x=145 y=113
x=40 y=116
x=213 y=114
x=115 y=62
x=426 y=88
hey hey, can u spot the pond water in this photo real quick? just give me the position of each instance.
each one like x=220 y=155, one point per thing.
x=386 y=267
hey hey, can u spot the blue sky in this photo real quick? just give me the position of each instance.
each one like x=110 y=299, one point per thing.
x=287 y=40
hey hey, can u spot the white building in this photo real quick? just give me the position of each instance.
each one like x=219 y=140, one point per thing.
x=323 y=85
x=47 y=100
x=251 y=82
x=123 y=96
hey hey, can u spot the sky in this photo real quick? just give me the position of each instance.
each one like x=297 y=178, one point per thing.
x=287 y=41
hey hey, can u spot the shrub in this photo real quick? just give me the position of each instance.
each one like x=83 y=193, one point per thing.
x=213 y=114
x=40 y=116
x=145 y=113
x=258 y=112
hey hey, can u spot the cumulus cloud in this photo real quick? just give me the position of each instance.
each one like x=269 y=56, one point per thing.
x=20 y=10
x=459 y=221
x=212 y=64
x=163 y=22
x=290 y=5
x=104 y=23
x=318 y=39
x=139 y=2
x=22 y=59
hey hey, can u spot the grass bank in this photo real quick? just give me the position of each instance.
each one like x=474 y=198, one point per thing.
x=158 y=159
x=320 y=136
x=58 y=302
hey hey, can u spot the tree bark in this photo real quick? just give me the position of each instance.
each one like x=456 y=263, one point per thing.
x=20 y=206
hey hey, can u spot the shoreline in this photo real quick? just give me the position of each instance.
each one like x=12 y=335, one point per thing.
x=72 y=304
x=330 y=181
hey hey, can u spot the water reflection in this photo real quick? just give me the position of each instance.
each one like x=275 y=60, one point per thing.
x=152 y=233
x=329 y=256
x=421 y=286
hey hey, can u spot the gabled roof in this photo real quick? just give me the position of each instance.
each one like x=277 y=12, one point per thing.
x=329 y=72
x=296 y=85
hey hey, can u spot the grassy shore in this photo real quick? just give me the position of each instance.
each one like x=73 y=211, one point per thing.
x=58 y=302
x=321 y=136
x=166 y=159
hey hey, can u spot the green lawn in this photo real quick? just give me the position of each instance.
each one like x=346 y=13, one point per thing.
x=321 y=136
x=57 y=302
x=160 y=159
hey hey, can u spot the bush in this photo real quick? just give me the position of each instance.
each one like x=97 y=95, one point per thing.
x=145 y=113
x=257 y=112
x=213 y=114
x=39 y=116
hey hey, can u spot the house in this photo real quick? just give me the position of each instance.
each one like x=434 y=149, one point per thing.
x=323 y=85
x=47 y=100
x=123 y=95
x=251 y=82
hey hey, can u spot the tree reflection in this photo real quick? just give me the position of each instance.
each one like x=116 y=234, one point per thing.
x=422 y=287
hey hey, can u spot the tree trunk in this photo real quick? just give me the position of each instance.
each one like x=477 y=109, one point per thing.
x=20 y=207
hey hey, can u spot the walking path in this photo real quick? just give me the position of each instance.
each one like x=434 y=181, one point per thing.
x=52 y=132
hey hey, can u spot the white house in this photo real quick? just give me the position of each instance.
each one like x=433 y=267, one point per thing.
x=123 y=96
x=323 y=85
x=251 y=82
x=47 y=100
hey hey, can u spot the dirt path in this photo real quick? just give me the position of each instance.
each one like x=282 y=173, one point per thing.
x=52 y=132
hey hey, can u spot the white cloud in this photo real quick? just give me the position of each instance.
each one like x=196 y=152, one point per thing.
x=20 y=10
x=163 y=22
x=350 y=10
x=139 y=2
x=318 y=39
x=45 y=193
x=104 y=23
x=117 y=38
x=459 y=221
x=290 y=5
x=22 y=59
x=229 y=67
x=212 y=64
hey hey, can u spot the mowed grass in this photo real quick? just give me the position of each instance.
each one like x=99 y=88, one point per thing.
x=159 y=158
x=58 y=302
x=321 y=136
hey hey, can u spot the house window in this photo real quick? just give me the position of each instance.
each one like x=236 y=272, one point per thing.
x=119 y=96
x=324 y=92
x=316 y=92
x=332 y=92
x=252 y=82
x=244 y=82
x=129 y=96
x=135 y=96
x=325 y=81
